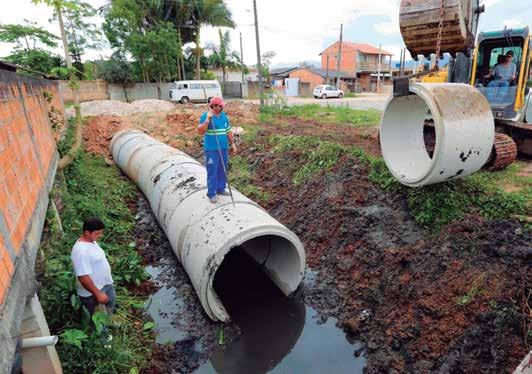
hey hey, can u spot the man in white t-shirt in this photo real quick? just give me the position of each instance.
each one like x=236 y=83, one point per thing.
x=94 y=280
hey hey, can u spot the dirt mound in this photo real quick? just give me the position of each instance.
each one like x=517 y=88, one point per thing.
x=99 y=131
x=119 y=108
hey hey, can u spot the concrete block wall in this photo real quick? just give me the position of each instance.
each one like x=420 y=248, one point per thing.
x=88 y=90
x=28 y=160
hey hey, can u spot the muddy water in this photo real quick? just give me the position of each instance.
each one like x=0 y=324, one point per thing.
x=279 y=334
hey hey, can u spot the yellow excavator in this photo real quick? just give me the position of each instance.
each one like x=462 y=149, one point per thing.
x=450 y=26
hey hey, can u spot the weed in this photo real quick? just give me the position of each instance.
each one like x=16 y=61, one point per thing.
x=473 y=291
x=240 y=176
x=91 y=189
x=431 y=206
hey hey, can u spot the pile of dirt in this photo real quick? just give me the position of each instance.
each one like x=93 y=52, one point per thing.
x=119 y=108
x=98 y=132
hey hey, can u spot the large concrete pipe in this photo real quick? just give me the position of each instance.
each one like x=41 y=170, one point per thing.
x=202 y=233
x=464 y=127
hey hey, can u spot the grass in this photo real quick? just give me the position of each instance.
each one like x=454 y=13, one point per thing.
x=432 y=206
x=240 y=177
x=90 y=189
x=323 y=114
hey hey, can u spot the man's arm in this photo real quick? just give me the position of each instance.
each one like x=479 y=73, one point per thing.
x=88 y=284
x=202 y=128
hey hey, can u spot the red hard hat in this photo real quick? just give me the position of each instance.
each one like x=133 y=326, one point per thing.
x=217 y=101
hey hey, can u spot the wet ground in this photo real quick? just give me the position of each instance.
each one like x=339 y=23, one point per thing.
x=452 y=302
x=269 y=332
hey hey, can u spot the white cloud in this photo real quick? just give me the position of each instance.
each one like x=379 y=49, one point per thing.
x=298 y=30
x=513 y=23
x=295 y=30
x=387 y=28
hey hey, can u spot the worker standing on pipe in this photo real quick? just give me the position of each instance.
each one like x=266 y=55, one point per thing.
x=95 y=283
x=216 y=128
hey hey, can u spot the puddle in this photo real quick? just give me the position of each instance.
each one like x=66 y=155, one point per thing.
x=163 y=307
x=279 y=334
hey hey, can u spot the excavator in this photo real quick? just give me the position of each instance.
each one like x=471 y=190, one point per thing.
x=432 y=27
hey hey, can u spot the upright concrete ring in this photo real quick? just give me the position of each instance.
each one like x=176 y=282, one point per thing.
x=464 y=127
x=202 y=233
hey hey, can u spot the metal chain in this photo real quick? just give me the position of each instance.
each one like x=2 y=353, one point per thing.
x=440 y=31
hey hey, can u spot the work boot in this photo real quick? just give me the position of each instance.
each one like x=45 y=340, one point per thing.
x=224 y=193
x=213 y=199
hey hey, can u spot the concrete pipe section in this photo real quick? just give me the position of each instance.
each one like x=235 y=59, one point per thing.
x=202 y=233
x=464 y=129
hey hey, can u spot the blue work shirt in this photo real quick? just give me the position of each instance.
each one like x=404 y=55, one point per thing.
x=219 y=127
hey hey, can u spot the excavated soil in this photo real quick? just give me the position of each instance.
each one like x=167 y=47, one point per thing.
x=452 y=302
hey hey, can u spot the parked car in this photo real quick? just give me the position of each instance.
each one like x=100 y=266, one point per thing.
x=324 y=92
x=198 y=91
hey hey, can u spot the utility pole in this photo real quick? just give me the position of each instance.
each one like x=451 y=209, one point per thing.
x=327 y=79
x=339 y=57
x=242 y=58
x=259 y=64
x=379 y=70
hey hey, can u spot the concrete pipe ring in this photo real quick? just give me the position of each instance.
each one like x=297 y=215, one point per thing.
x=202 y=233
x=463 y=126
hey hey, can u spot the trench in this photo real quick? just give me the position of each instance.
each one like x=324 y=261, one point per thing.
x=277 y=334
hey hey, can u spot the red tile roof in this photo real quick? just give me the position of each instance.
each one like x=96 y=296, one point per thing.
x=361 y=47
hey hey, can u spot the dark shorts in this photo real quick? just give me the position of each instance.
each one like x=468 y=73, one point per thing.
x=91 y=303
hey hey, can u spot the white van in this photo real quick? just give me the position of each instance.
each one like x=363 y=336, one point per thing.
x=201 y=91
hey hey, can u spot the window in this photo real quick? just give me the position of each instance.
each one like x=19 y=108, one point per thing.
x=195 y=86
x=182 y=86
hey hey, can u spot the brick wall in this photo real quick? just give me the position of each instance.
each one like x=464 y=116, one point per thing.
x=347 y=63
x=306 y=76
x=28 y=159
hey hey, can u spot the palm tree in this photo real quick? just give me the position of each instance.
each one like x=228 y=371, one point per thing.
x=222 y=56
x=208 y=12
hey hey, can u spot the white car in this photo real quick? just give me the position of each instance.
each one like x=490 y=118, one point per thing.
x=324 y=92
x=199 y=91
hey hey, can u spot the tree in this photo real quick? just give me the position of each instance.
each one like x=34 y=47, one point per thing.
x=117 y=70
x=208 y=12
x=35 y=59
x=59 y=7
x=81 y=34
x=22 y=35
x=28 y=40
x=266 y=59
x=222 y=56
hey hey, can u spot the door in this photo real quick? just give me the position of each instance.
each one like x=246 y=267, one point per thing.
x=291 y=87
x=197 y=92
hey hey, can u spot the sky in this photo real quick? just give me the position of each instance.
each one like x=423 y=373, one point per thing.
x=297 y=30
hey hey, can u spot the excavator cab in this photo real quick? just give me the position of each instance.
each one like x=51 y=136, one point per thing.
x=507 y=96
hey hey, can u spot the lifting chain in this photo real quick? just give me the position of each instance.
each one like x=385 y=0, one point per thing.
x=440 y=30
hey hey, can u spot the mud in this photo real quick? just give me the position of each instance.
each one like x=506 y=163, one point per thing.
x=452 y=302
x=186 y=336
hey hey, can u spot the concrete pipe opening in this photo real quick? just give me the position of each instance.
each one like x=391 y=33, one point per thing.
x=462 y=124
x=201 y=233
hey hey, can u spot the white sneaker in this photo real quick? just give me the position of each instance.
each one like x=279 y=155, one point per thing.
x=213 y=199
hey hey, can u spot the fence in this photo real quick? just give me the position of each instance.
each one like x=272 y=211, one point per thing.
x=101 y=90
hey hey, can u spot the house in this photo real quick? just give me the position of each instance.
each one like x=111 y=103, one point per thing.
x=361 y=61
x=232 y=75
x=278 y=75
x=311 y=77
